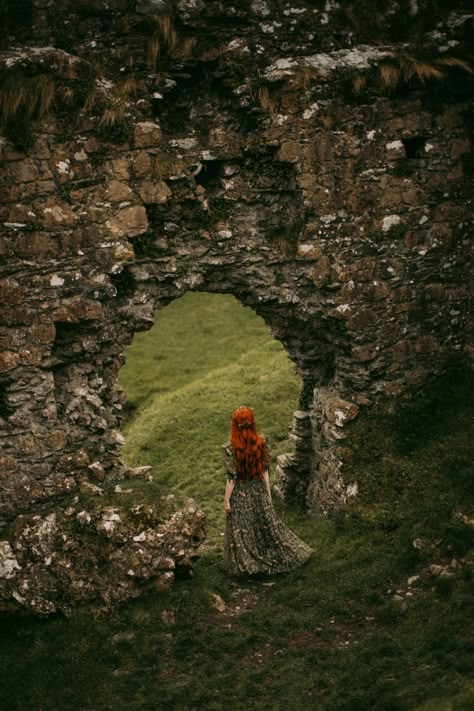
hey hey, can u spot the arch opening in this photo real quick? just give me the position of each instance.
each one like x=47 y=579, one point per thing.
x=206 y=354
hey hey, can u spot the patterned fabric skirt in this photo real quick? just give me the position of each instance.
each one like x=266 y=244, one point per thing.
x=256 y=541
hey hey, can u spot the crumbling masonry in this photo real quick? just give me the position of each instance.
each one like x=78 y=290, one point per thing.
x=264 y=149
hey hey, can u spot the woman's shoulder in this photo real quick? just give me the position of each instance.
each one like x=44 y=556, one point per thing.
x=227 y=450
x=266 y=442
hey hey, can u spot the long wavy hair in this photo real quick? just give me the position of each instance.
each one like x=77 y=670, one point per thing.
x=250 y=453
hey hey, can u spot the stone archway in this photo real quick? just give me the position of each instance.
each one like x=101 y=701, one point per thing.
x=205 y=355
x=338 y=208
x=312 y=359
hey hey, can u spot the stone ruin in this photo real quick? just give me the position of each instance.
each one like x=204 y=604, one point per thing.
x=313 y=159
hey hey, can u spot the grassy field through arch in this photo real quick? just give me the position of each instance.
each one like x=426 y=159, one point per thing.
x=206 y=355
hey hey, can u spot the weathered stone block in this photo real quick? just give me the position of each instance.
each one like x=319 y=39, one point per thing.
x=154 y=192
x=129 y=222
x=147 y=135
x=8 y=361
x=363 y=319
x=116 y=191
x=24 y=171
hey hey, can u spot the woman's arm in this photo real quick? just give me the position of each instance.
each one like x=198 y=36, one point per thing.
x=266 y=479
x=229 y=488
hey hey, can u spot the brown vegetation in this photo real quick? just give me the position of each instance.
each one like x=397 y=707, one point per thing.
x=31 y=97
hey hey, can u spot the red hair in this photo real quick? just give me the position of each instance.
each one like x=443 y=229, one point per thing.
x=250 y=452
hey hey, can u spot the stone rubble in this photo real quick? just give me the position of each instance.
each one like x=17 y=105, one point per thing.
x=101 y=555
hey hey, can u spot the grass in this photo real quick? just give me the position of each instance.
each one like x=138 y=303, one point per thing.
x=31 y=97
x=163 y=41
x=406 y=70
x=329 y=636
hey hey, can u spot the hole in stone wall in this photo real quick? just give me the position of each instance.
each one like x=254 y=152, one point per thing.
x=72 y=340
x=124 y=282
x=17 y=14
x=65 y=342
x=414 y=147
x=5 y=409
x=206 y=355
x=210 y=173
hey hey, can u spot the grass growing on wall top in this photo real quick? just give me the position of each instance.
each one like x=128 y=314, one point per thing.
x=328 y=637
x=205 y=356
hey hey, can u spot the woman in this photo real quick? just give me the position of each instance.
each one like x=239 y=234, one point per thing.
x=255 y=540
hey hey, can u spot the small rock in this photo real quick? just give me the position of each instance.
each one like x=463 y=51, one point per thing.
x=120 y=672
x=168 y=617
x=123 y=637
x=83 y=518
x=87 y=488
x=445 y=573
x=140 y=473
x=97 y=470
x=436 y=570
x=118 y=490
x=422 y=544
x=218 y=602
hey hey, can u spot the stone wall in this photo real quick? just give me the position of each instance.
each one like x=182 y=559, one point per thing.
x=263 y=149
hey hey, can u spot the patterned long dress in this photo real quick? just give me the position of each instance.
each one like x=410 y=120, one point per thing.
x=256 y=541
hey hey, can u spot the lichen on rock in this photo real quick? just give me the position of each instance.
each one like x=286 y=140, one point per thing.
x=88 y=552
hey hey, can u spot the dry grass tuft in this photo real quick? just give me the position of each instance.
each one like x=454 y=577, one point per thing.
x=92 y=100
x=113 y=113
x=128 y=87
x=303 y=78
x=185 y=49
x=410 y=67
x=392 y=74
x=456 y=63
x=388 y=76
x=358 y=83
x=168 y=33
x=156 y=167
x=109 y=104
x=31 y=97
x=264 y=99
x=165 y=42
x=66 y=95
x=153 y=51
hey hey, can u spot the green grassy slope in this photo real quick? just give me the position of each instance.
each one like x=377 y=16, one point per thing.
x=346 y=632
x=206 y=355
